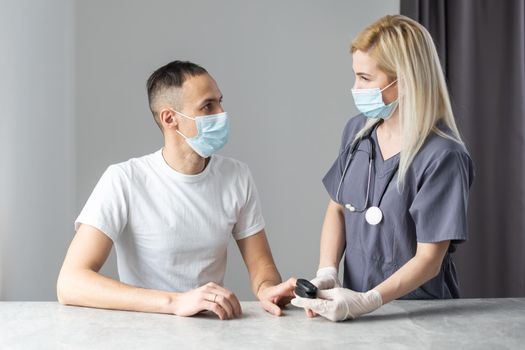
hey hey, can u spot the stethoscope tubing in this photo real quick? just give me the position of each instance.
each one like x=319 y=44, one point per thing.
x=354 y=146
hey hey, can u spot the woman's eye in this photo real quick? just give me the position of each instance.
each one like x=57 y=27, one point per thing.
x=206 y=107
x=365 y=79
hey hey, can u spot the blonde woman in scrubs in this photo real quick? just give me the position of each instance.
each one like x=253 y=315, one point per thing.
x=399 y=185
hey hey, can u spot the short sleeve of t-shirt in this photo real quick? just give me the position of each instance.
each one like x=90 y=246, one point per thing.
x=250 y=219
x=106 y=208
x=439 y=208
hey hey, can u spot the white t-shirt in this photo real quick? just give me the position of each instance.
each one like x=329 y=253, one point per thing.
x=171 y=230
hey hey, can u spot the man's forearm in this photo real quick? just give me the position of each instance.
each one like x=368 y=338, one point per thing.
x=266 y=276
x=91 y=289
x=257 y=256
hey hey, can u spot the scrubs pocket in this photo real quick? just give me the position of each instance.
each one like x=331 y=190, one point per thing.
x=363 y=273
x=377 y=243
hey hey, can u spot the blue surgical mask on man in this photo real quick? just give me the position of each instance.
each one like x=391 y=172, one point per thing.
x=370 y=102
x=213 y=133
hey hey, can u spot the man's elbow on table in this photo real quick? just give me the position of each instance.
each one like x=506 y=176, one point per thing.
x=71 y=286
x=87 y=253
x=61 y=295
x=64 y=289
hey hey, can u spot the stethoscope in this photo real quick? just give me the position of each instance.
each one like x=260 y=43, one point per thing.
x=373 y=214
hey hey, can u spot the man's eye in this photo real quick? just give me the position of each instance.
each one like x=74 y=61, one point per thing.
x=206 y=107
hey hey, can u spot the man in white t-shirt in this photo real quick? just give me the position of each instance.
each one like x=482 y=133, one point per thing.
x=170 y=215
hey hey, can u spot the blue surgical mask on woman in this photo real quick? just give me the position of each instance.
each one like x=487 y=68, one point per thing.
x=213 y=133
x=370 y=102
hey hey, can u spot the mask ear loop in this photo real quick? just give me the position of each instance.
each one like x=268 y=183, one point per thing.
x=395 y=101
x=389 y=85
x=181 y=134
x=185 y=116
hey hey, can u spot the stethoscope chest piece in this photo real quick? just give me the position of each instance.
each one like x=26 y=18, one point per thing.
x=373 y=215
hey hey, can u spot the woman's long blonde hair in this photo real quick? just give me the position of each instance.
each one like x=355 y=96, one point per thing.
x=404 y=50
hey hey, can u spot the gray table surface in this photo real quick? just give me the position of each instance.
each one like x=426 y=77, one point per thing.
x=437 y=324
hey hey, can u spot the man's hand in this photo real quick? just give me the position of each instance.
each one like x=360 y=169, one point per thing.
x=274 y=297
x=340 y=304
x=211 y=297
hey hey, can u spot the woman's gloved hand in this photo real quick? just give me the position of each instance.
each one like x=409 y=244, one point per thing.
x=340 y=304
x=326 y=278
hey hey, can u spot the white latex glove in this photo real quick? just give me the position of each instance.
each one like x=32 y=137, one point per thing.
x=339 y=304
x=326 y=278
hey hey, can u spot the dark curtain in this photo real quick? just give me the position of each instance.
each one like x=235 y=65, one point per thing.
x=481 y=44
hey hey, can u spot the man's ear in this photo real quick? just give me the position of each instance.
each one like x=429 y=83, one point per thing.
x=168 y=119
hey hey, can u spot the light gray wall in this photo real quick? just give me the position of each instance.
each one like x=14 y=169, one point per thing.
x=73 y=102
x=284 y=70
x=37 y=145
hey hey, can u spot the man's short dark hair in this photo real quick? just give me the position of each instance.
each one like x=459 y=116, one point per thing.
x=173 y=74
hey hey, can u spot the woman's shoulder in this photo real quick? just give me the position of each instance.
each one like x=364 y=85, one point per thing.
x=441 y=148
x=352 y=127
x=442 y=141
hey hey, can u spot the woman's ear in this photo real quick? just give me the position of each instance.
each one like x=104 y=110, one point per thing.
x=167 y=118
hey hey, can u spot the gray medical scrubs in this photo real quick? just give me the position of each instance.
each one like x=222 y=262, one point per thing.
x=430 y=207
